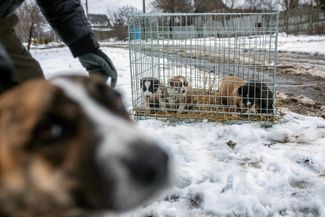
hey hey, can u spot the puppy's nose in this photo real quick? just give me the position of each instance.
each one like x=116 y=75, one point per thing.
x=249 y=104
x=148 y=96
x=148 y=165
x=183 y=91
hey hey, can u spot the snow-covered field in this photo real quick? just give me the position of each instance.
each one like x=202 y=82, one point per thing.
x=276 y=171
x=302 y=44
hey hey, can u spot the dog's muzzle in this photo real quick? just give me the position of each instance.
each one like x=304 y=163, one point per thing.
x=138 y=172
x=147 y=165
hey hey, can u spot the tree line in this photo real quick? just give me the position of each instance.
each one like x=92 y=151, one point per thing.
x=34 y=28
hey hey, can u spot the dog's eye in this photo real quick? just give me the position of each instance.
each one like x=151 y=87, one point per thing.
x=52 y=129
x=50 y=132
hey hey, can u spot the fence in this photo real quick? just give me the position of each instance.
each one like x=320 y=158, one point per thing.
x=305 y=20
x=218 y=67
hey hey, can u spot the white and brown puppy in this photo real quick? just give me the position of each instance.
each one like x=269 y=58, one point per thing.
x=68 y=148
x=179 y=93
x=152 y=92
x=229 y=94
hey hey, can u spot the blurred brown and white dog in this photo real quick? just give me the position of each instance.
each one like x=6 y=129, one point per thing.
x=179 y=94
x=229 y=94
x=68 y=146
x=152 y=93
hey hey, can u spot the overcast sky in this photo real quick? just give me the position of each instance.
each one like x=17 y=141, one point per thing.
x=101 y=6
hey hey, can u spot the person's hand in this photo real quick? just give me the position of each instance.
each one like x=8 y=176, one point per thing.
x=98 y=62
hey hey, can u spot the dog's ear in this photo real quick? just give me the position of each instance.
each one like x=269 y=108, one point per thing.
x=141 y=83
x=251 y=89
x=242 y=90
x=155 y=82
x=171 y=83
x=186 y=83
x=256 y=90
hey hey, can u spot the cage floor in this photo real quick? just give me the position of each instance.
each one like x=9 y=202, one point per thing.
x=206 y=106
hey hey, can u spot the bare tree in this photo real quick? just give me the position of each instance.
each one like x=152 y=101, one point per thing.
x=271 y=5
x=208 y=5
x=231 y=4
x=266 y=5
x=319 y=3
x=289 y=4
x=173 y=6
x=31 y=22
x=119 y=21
x=253 y=4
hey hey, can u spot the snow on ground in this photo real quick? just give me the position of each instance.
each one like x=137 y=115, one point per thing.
x=276 y=171
x=302 y=43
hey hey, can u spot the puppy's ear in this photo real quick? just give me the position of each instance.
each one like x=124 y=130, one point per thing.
x=242 y=89
x=251 y=89
x=186 y=83
x=156 y=82
x=171 y=83
x=141 y=83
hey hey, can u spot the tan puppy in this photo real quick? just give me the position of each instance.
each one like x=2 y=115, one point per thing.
x=68 y=149
x=179 y=94
x=229 y=94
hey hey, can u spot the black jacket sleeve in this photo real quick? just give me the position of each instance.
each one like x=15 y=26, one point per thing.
x=68 y=20
x=6 y=69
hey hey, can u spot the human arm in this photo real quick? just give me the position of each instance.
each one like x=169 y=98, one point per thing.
x=68 y=20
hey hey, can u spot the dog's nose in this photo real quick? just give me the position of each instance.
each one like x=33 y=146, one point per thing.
x=249 y=104
x=148 y=165
x=183 y=91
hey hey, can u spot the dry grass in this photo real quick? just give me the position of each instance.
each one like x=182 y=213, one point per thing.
x=206 y=106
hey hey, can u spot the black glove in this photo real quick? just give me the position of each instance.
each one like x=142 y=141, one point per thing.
x=98 y=62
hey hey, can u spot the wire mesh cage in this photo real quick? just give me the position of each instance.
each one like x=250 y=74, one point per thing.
x=218 y=66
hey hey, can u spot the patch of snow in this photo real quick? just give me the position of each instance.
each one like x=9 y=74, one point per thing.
x=276 y=171
x=302 y=43
x=306 y=101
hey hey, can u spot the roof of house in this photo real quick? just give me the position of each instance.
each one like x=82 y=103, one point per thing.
x=99 y=21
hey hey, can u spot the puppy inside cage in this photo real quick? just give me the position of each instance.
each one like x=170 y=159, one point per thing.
x=246 y=96
x=204 y=66
x=157 y=96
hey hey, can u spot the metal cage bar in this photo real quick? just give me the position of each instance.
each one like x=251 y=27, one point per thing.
x=214 y=66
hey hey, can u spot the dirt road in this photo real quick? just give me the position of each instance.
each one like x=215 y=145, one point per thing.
x=300 y=81
x=302 y=77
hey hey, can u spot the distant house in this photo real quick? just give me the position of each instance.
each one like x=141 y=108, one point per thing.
x=100 y=25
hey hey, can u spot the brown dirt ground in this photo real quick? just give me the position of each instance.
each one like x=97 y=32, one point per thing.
x=296 y=79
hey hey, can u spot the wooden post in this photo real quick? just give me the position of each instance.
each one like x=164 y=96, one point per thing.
x=86 y=5
x=310 y=20
x=144 y=6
